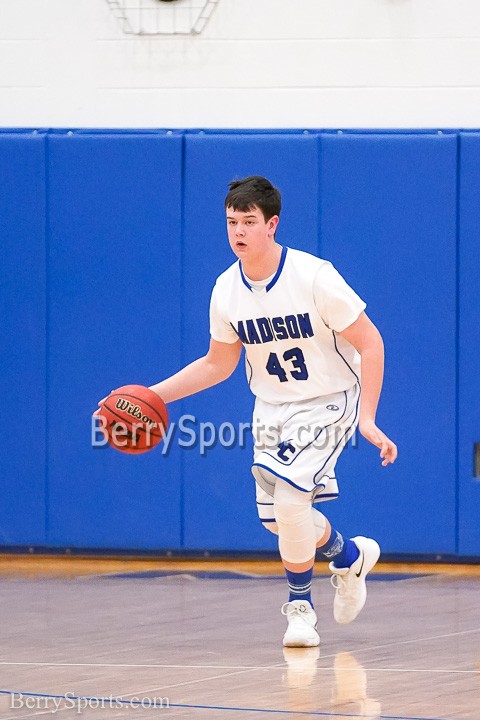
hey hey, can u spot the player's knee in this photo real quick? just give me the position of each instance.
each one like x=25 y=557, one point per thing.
x=291 y=506
x=291 y=514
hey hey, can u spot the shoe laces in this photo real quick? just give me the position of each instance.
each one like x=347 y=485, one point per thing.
x=289 y=608
x=338 y=583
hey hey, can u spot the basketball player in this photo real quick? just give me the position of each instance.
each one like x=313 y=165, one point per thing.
x=307 y=339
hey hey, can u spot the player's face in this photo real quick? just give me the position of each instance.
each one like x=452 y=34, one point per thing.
x=249 y=235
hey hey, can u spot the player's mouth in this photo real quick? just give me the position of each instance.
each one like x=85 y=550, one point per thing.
x=240 y=245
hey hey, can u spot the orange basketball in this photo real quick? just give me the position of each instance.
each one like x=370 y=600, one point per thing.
x=134 y=418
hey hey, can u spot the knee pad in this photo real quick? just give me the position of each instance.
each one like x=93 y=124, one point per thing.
x=266 y=508
x=291 y=506
x=296 y=529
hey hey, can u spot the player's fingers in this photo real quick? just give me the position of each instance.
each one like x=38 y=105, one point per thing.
x=100 y=402
x=391 y=454
x=384 y=448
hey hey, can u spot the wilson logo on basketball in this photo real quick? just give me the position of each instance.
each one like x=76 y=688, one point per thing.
x=135 y=411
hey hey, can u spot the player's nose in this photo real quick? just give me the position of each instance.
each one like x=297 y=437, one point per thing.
x=239 y=230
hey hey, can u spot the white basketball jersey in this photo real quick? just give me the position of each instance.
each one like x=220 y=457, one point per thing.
x=290 y=328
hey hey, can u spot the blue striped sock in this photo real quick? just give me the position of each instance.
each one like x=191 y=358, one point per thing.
x=300 y=585
x=342 y=552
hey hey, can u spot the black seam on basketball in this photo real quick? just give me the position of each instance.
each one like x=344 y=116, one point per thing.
x=131 y=423
x=138 y=401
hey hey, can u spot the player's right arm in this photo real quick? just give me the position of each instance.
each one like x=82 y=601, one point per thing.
x=213 y=368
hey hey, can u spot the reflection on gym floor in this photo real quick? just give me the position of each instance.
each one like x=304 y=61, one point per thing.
x=212 y=647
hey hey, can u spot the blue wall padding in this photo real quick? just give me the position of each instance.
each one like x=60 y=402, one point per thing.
x=388 y=209
x=22 y=349
x=469 y=344
x=219 y=487
x=114 y=318
x=111 y=243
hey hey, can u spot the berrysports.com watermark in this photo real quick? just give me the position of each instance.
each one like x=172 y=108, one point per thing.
x=72 y=701
x=191 y=433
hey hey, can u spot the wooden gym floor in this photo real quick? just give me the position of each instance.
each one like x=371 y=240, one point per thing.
x=95 y=638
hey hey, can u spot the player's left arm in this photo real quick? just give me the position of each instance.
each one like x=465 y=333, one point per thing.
x=366 y=339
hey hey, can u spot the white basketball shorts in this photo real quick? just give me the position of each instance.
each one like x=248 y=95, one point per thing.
x=300 y=442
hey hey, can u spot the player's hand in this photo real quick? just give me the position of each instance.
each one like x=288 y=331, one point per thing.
x=372 y=433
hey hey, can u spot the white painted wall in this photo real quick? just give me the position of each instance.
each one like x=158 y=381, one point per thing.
x=258 y=63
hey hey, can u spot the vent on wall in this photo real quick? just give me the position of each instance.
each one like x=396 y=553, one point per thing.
x=157 y=17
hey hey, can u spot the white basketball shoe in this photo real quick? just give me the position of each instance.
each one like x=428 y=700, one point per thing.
x=302 y=623
x=349 y=583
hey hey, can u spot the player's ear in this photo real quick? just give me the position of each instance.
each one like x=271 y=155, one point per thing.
x=272 y=224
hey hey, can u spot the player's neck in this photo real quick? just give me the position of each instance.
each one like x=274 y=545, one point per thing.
x=265 y=266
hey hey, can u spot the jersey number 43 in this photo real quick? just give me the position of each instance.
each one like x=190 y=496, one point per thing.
x=297 y=360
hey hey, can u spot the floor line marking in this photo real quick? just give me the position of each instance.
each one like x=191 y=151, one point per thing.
x=194 y=682
x=414 y=640
x=283 y=667
x=32 y=714
x=128 y=665
x=317 y=713
x=252 y=667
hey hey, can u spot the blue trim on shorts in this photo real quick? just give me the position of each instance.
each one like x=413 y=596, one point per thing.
x=282 y=477
x=266 y=520
x=328 y=496
x=314 y=439
x=347 y=431
x=342 y=439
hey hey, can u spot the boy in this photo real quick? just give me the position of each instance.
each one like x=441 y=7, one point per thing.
x=306 y=337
